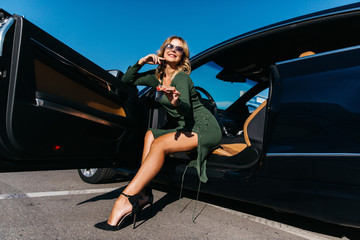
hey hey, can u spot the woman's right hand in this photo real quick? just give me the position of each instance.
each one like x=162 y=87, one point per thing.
x=151 y=59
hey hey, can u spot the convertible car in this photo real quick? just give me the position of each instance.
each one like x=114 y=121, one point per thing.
x=287 y=100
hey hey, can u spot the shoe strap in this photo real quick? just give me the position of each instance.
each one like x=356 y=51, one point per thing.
x=126 y=195
x=134 y=201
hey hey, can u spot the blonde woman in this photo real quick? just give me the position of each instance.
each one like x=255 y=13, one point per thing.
x=197 y=127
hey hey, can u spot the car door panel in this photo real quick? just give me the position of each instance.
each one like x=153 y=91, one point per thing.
x=56 y=103
x=315 y=129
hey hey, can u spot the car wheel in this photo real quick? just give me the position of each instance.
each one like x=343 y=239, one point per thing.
x=97 y=175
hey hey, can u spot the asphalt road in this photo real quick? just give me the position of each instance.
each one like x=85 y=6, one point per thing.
x=58 y=205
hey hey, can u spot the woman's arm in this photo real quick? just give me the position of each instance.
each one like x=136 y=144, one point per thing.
x=183 y=85
x=179 y=94
x=133 y=76
x=147 y=78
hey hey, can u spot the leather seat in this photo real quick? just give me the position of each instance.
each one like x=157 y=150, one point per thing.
x=253 y=131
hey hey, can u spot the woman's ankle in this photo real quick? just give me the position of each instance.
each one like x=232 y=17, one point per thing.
x=121 y=207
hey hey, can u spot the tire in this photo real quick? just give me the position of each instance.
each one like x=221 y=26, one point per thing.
x=97 y=175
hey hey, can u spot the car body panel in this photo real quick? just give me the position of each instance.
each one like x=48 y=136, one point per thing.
x=318 y=116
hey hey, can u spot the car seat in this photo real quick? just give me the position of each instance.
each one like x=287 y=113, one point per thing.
x=246 y=153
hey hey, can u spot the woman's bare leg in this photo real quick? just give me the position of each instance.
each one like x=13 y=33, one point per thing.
x=148 y=140
x=160 y=147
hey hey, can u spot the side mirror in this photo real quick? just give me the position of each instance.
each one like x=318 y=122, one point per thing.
x=116 y=73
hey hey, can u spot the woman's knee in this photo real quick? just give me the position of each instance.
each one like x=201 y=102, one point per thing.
x=158 y=144
x=149 y=137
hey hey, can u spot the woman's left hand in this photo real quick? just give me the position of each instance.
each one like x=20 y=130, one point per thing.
x=171 y=93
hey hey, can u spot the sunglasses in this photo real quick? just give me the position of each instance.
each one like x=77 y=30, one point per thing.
x=178 y=49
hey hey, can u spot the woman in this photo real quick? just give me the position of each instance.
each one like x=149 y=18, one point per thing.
x=197 y=127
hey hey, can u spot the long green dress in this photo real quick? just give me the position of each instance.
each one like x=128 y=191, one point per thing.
x=191 y=115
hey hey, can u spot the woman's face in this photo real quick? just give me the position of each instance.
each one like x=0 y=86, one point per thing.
x=172 y=54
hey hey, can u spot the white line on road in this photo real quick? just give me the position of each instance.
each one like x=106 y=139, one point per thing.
x=57 y=193
x=283 y=227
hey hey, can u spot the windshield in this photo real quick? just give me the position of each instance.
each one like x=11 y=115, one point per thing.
x=224 y=93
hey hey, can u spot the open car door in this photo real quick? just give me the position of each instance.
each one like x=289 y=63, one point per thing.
x=57 y=108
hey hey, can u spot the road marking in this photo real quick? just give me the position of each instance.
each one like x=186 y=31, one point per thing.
x=57 y=193
x=283 y=227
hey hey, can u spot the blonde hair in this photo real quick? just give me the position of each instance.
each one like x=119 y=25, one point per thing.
x=184 y=64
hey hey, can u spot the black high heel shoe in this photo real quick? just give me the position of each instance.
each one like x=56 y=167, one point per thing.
x=149 y=194
x=136 y=208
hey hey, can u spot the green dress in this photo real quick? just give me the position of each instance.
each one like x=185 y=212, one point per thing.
x=190 y=115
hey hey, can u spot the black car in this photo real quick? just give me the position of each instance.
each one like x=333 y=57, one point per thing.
x=291 y=124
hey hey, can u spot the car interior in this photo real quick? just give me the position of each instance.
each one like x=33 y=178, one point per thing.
x=242 y=123
x=250 y=60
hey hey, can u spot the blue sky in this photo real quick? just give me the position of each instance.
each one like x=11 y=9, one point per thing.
x=115 y=33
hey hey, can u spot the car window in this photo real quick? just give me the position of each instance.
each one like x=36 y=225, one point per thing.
x=224 y=93
x=257 y=100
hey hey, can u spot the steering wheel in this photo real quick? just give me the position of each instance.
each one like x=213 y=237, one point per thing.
x=211 y=105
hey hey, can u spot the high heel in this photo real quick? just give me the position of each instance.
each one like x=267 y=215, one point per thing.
x=149 y=194
x=136 y=208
